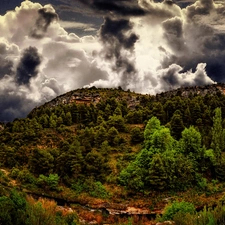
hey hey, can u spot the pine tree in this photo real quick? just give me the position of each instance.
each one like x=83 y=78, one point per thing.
x=177 y=125
x=217 y=133
x=157 y=173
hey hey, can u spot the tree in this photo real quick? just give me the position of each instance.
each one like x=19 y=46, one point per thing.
x=187 y=117
x=158 y=111
x=112 y=135
x=41 y=161
x=195 y=110
x=7 y=156
x=105 y=149
x=169 y=108
x=176 y=125
x=137 y=135
x=191 y=143
x=59 y=121
x=44 y=120
x=107 y=112
x=96 y=165
x=118 y=122
x=157 y=173
x=161 y=141
x=52 y=121
x=118 y=111
x=70 y=162
x=132 y=177
x=68 y=119
x=152 y=125
x=100 y=136
x=13 y=209
x=217 y=134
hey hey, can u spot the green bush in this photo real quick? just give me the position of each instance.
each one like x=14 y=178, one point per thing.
x=177 y=207
x=25 y=176
x=99 y=191
x=50 y=182
x=95 y=189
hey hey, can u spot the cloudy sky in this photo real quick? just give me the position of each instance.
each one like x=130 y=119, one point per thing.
x=49 y=47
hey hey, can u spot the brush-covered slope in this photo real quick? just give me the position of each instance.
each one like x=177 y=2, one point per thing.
x=112 y=144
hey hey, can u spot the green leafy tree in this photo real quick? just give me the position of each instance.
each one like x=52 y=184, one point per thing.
x=152 y=126
x=161 y=141
x=132 y=177
x=13 y=209
x=191 y=143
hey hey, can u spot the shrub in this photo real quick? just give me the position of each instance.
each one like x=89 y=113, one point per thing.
x=25 y=176
x=50 y=182
x=95 y=189
x=177 y=207
x=98 y=190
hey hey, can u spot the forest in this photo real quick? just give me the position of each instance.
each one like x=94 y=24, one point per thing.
x=125 y=147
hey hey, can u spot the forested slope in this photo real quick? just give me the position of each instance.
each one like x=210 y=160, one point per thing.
x=112 y=144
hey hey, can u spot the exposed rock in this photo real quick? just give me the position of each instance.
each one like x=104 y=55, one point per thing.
x=129 y=211
x=65 y=210
x=166 y=223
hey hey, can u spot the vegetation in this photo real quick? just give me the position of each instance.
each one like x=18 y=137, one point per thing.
x=114 y=145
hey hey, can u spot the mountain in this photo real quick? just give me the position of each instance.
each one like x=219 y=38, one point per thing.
x=119 y=151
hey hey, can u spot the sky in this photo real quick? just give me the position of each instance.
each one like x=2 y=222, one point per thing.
x=49 y=47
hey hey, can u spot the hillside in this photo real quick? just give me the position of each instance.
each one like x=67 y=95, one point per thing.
x=108 y=152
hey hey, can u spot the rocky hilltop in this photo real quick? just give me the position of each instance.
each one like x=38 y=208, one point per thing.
x=195 y=90
x=93 y=95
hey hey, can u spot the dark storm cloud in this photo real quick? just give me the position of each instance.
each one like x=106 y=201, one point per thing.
x=28 y=65
x=114 y=32
x=172 y=77
x=13 y=106
x=174 y=34
x=6 y=67
x=46 y=17
x=124 y=8
x=117 y=36
x=210 y=50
